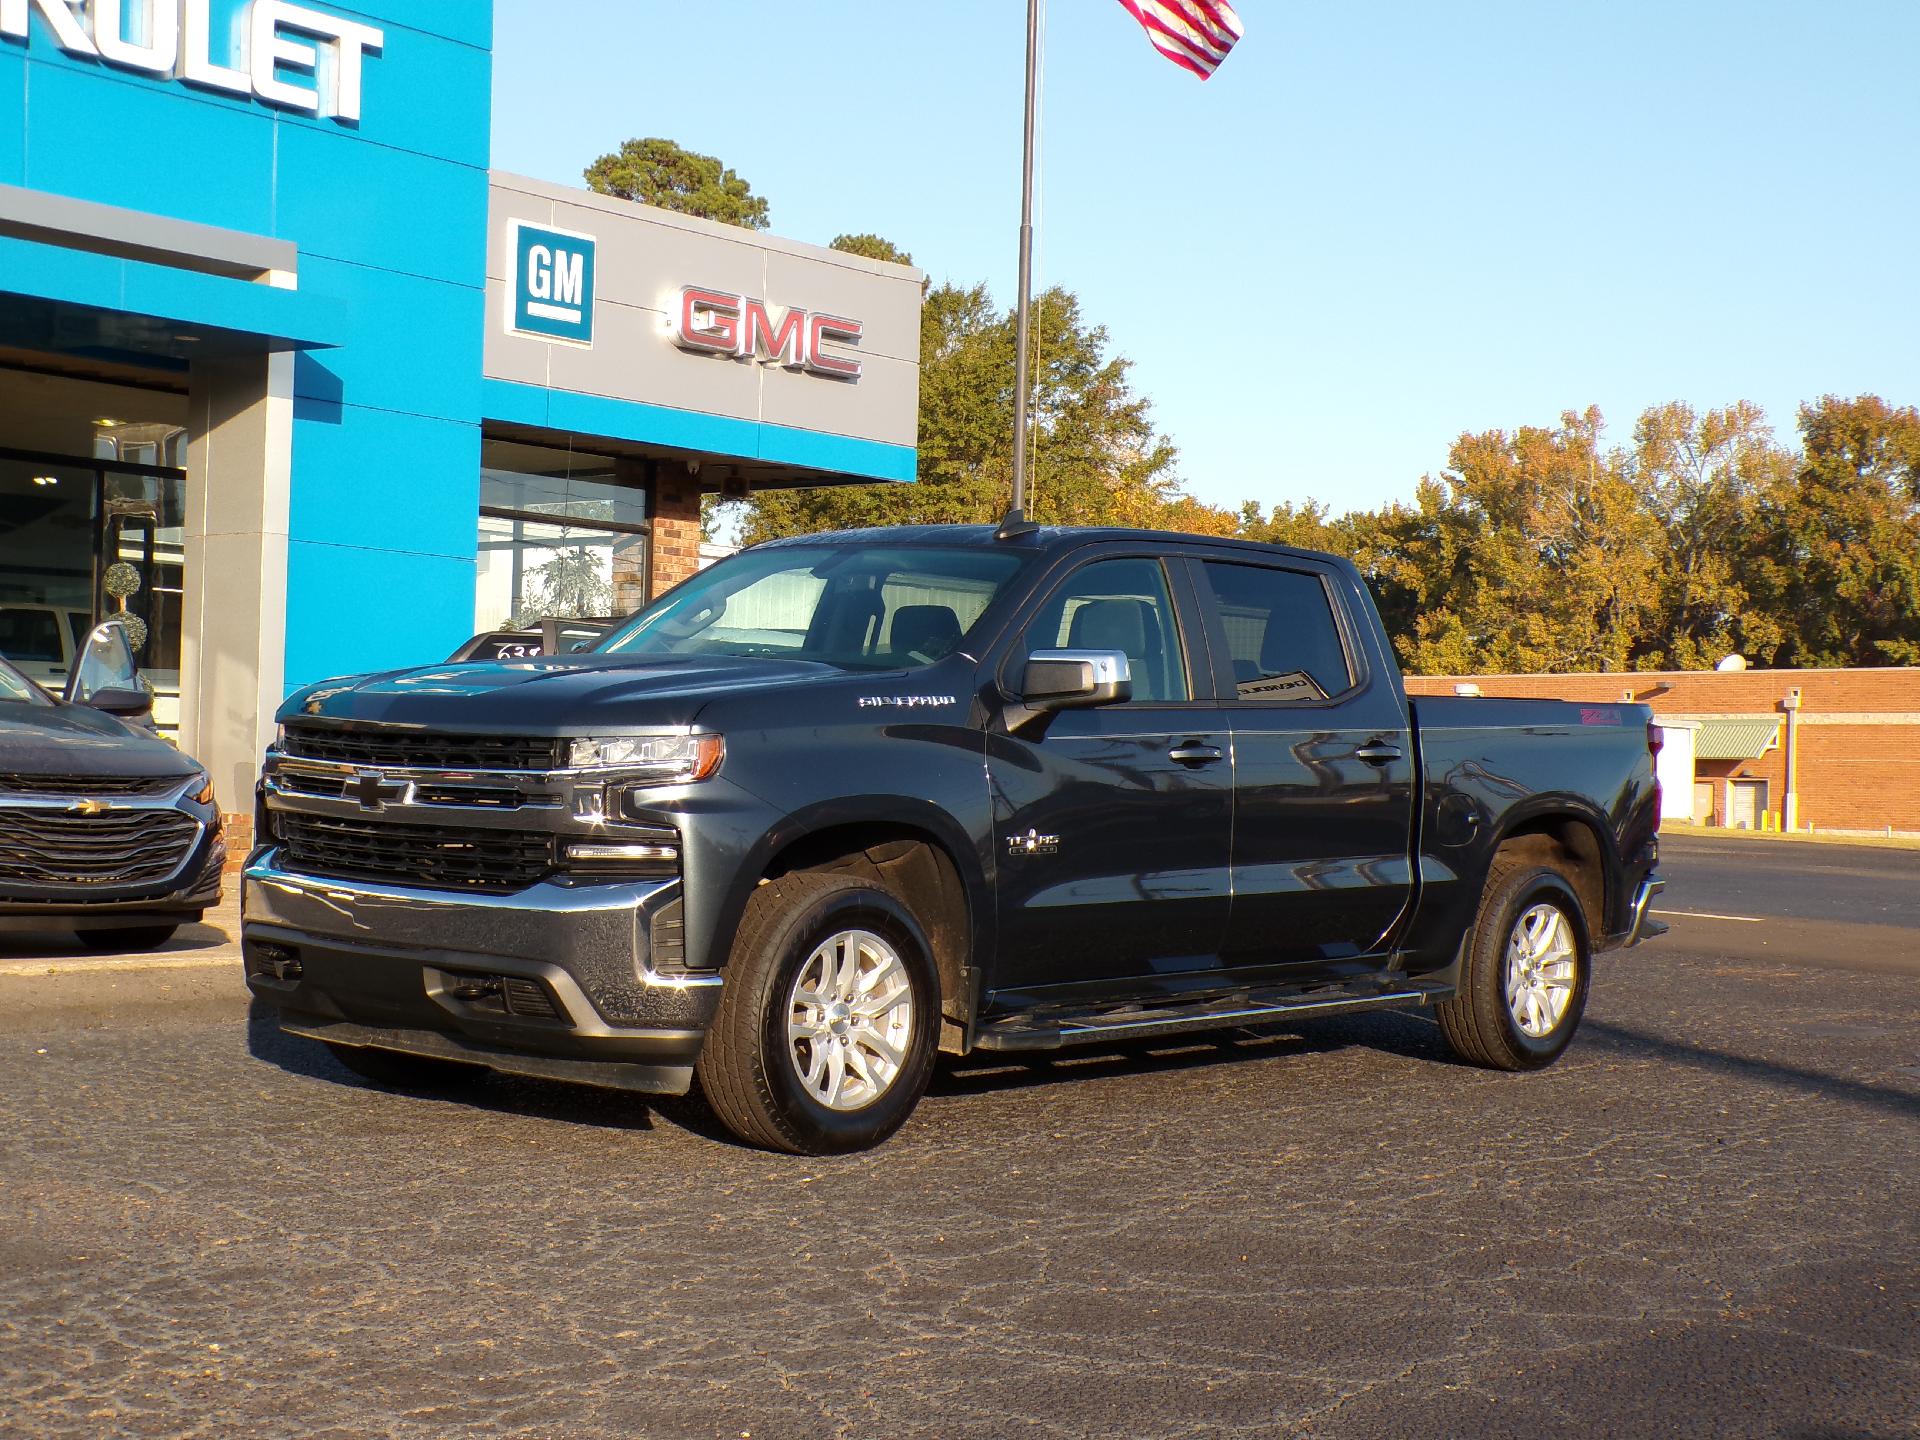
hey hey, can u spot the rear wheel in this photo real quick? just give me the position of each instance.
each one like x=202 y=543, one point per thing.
x=825 y=1034
x=1523 y=984
x=133 y=937
x=397 y=1071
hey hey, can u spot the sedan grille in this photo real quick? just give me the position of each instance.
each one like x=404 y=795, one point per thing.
x=420 y=749
x=56 y=785
x=433 y=856
x=120 y=847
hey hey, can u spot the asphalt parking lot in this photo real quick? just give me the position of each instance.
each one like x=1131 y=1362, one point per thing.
x=1704 y=1221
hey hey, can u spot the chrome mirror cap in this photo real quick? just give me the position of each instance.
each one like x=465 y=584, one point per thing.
x=1076 y=679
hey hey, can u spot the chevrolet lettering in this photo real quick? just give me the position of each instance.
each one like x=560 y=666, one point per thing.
x=288 y=55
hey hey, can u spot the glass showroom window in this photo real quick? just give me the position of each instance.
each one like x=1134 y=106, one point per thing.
x=560 y=537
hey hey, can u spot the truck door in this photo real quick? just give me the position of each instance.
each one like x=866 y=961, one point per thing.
x=1112 y=825
x=1323 y=769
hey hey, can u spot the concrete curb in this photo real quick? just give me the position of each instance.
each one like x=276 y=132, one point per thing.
x=1781 y=837
x=58 y=994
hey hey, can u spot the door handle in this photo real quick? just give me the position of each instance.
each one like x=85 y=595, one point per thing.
x=1194 y=753
x=1378 y=752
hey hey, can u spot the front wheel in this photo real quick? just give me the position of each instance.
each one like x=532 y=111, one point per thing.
x=1523 y=986
x=824 y=1039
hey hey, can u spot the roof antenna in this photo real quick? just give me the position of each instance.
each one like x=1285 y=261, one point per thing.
x=1015 y=525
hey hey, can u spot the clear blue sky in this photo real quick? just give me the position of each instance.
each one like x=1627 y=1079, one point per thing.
x=1376 y=227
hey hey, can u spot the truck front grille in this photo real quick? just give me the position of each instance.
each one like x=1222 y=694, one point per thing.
x=435 y=857
x=120 y=847
x=420 y=749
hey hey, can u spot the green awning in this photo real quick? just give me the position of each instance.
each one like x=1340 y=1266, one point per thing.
x=1735 y=739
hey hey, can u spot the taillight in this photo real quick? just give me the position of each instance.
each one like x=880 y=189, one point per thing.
x=1656 y=737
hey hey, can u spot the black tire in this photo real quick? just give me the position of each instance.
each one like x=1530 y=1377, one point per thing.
x=746 y=1070
x=394 y=1070
x=1479 y=1025
x=133 y=937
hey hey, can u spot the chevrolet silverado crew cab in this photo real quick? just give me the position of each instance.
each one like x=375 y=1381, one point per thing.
x=840 y=803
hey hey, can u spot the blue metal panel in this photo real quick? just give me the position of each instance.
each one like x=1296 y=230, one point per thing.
x=411 y=341
x=200 y=161
x=837 y=454
x=13 y=116
x=374 y=478
x=575 y=414
x=408 y=213
x=460 y=20
x=425 y=94
x=78 y=277
x=351 y=610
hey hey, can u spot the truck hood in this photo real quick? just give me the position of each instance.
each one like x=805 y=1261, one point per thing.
x=74 y=740
x=561 y=694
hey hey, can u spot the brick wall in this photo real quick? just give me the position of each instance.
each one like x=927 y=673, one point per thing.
x=239 y=833
x=673 y=532
x=1859 y=732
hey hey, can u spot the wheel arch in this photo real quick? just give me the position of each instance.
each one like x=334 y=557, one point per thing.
x=1575 y=838
x=916 y=849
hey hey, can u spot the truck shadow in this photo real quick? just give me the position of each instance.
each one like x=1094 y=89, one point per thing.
x=1623 y=1039
x=483 y=1090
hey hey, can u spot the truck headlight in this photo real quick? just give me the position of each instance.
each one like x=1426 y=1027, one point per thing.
x=664 y=759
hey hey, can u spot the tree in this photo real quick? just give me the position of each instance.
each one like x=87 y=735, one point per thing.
x=1842 y=550
x=659 y=172
x=1531 y=553
x=873 y=247
x=1702 y=478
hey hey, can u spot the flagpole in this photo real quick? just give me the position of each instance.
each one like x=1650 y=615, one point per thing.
x=1022 y=381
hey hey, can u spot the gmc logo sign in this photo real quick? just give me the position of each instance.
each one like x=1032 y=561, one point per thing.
x=720 y=323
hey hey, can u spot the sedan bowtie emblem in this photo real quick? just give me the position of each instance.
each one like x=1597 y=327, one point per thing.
x=1032 y=843
x=89 y=807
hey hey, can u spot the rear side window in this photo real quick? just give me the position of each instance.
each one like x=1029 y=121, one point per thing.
x=1280 y=631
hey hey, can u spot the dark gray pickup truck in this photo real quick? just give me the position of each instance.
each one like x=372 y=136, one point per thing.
x=839 y=803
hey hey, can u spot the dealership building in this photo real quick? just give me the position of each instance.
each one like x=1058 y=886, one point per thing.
x=282 y=356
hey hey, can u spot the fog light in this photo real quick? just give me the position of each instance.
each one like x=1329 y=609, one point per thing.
x=600 y=852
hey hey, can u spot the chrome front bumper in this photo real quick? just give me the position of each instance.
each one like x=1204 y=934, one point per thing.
x=1644 y=925
x=392 y=965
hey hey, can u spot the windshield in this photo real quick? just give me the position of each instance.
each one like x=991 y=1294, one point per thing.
x=16 y=687
x=856 y=607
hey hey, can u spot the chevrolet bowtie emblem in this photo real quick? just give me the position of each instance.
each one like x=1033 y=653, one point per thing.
x=1032 y=843
x=372 y=791
x=89 y=807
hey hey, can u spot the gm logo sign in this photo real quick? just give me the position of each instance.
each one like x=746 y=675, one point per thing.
x=551 y=296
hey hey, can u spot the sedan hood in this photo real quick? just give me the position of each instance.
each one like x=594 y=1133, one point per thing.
x=562 y=694
x=74 y=740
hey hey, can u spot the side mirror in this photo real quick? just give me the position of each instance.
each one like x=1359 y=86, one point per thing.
x=124 y=704
x=1075 y=679
x=105 y=663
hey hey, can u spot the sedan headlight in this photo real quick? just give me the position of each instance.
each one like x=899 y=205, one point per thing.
x=664 y=759
x=203 y=792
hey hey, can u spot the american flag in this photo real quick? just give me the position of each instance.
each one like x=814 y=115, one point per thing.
x=1196 y=34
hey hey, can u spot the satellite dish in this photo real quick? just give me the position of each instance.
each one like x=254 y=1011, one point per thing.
x=1732 y=662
